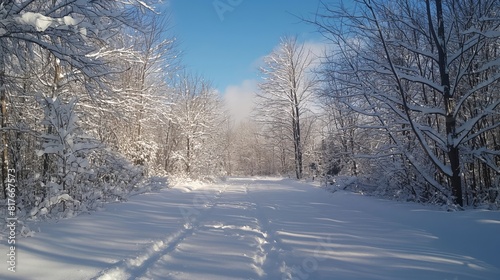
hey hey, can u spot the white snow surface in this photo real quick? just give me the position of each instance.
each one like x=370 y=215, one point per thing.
x=41 y=22
x=37 y=20
x=261 y=228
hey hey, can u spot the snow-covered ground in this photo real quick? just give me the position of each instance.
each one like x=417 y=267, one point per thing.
x=262 y=228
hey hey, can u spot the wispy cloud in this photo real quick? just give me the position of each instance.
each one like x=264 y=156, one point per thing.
x=240 y=98
x=317 y=50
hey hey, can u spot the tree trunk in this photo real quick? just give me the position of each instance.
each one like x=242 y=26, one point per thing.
x=296 y=126
x=46 y=163
x=188 y=156
x=298 y=140
x=453 y=151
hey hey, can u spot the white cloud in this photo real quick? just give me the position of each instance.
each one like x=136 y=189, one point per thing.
x=239 y=99
x=317 y=50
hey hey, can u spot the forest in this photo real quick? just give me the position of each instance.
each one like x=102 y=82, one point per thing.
x=95 y=99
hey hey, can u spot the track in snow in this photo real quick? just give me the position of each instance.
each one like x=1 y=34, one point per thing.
x=263 y=229
x=137 y=266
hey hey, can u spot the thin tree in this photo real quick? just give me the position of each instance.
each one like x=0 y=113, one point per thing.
x=285 y=93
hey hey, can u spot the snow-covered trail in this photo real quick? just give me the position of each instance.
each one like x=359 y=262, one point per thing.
x=262 y=229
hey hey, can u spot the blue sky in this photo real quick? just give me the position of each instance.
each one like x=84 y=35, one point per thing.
x=223 y=40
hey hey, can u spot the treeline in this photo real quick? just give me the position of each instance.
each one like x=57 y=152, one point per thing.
x=415 y=85
x=94 y=99
x=410 y=92
x=405 y=98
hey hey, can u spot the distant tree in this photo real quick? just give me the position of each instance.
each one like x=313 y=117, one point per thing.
x=196 y=114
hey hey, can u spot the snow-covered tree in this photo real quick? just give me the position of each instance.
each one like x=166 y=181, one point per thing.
x=62 y=50
x=69 y=147
x=425 y=76
x=253 y=153
x=141 y=100
x=196 y=114
x=285 y=94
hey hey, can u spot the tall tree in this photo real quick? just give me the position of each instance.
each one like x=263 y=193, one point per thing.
x=286 y=92
x=148 y=57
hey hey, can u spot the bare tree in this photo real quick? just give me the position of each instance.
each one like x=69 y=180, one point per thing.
x=285 y=93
